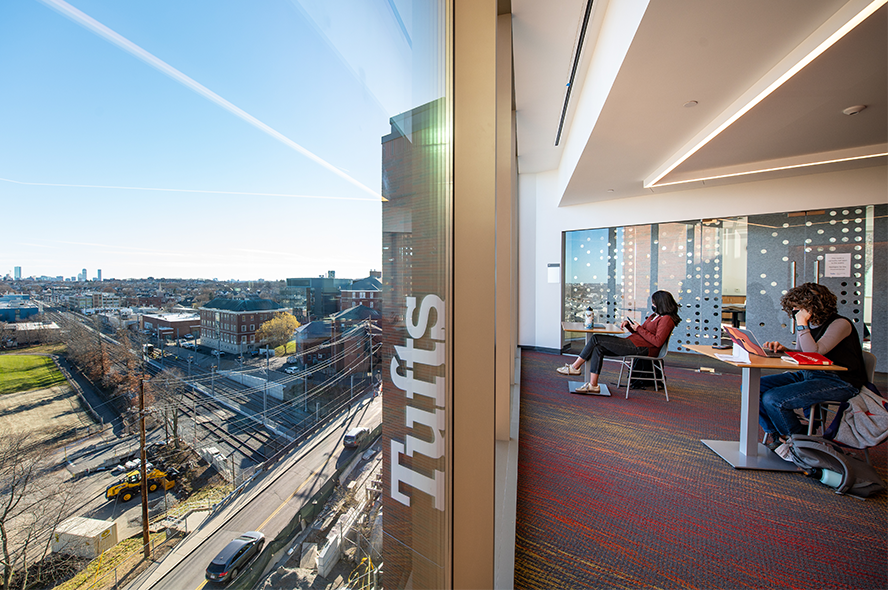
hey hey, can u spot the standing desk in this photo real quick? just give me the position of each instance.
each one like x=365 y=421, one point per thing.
x=748 y=453
x=587 y=370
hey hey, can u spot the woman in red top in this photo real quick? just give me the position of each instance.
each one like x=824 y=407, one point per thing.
x=644 y=339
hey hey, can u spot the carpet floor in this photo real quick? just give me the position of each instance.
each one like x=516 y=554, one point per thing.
x=621 y=493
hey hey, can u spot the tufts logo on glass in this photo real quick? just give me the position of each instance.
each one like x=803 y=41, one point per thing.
x=430 y=353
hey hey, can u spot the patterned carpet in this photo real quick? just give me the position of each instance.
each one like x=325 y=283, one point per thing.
x=617 y=493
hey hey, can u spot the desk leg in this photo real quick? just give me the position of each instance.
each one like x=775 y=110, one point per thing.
x=748 y=453
x=749 y=410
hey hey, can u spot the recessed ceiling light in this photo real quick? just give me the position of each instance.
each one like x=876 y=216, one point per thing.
x=690 y=103
x=610 y=190
x=855 y=109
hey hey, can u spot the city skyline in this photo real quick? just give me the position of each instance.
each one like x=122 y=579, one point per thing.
x=210 y=139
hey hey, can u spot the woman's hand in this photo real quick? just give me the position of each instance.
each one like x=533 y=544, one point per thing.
x=774 y=346
x=802 y=317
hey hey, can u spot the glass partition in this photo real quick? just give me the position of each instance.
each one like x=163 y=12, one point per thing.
x=732 y=270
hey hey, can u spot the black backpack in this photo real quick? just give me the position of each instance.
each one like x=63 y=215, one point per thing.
x=816 y=457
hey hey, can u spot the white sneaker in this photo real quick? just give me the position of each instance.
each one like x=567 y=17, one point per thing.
x=568 y=370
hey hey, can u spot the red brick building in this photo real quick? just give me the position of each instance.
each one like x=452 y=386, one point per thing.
x=230 y=325
x=170 y=325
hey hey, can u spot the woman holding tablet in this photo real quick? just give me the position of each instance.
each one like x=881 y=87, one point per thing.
x=644 y=339
x=822 y=330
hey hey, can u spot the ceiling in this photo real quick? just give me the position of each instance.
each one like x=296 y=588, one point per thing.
x=628 y=131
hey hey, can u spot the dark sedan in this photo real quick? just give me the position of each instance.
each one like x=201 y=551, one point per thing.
x=231 y=561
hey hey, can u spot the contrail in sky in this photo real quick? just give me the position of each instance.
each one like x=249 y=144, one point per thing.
x=185 y=190
x=155 y=62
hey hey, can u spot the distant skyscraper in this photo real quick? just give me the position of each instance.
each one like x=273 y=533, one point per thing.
x=83 y=275
x=18 y=273
x=99 y=275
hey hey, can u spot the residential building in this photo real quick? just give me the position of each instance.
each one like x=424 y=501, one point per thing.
x=230 y=325
x=366 y=292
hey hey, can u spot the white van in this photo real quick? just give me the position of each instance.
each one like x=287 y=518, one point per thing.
x=355 y=436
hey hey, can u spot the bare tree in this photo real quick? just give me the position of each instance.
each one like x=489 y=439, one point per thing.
x=167 y=390
x=30 y=510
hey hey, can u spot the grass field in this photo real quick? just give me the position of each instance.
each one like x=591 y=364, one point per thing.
x=25 y=372
x=56 y=348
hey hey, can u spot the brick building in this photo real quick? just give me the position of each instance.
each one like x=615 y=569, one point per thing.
x=414 y=235
x=230 y=325
x=366 y=292
x=170 y=325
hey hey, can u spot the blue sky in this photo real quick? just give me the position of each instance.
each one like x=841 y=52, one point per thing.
x=208 y=138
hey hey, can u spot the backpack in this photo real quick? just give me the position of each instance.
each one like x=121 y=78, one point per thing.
x=862 y=421
x=826 y=461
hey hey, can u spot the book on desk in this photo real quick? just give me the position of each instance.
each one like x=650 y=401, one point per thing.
x=805 y=358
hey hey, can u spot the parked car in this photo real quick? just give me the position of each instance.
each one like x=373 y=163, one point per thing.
x=292 y=360
x=232 y=560
x=189 y=345
x=355 y=436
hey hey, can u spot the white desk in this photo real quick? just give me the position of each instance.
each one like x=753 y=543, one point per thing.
x=748 y=453
x=587 y=370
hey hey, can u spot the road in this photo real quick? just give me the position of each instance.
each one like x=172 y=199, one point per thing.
x=268 y=504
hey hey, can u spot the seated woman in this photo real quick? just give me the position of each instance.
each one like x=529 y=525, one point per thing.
x=820 y=329
x=644 y=339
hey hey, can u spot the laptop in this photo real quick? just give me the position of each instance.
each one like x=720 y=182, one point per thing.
x=747 y=341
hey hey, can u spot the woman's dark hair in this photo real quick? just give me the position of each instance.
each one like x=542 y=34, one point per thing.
x=666 y=305
x=817 y=299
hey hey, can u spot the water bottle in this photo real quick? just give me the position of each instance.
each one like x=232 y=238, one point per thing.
x=830 y=478
x=589 y=318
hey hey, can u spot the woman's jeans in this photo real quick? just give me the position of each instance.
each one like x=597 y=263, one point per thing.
x=782 y=394
x=602 y=345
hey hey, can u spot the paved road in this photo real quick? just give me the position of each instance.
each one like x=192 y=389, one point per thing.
x=268 y=505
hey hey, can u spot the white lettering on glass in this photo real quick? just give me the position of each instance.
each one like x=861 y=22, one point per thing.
x=405 y=359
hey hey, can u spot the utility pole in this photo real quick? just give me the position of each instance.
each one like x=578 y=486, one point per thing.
x=265 y=393
x=146 y=538
x=213 y=380
x=193 y=405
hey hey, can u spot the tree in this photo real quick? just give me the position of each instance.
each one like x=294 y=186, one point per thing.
x=31 y=508
x=167 y=390
x=278 y=330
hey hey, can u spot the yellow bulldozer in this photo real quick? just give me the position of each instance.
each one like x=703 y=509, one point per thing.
x=131 y=483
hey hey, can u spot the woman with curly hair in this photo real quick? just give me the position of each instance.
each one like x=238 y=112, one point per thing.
x=822 y=330
x=644 y=339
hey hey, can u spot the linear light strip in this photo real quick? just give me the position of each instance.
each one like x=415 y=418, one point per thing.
x=790 y=167
x=829 y=42
x=573 y=70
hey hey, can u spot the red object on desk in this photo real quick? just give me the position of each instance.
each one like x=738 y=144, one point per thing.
x=806 y=358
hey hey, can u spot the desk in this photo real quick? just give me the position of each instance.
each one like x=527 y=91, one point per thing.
x=748 y=453
x=587 y=370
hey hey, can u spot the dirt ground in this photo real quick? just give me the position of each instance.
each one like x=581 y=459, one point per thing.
x=43 y=413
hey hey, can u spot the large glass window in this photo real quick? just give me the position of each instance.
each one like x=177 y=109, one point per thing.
x=731 y=270
x=141 y=137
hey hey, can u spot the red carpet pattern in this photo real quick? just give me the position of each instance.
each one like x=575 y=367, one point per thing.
x=617 y=493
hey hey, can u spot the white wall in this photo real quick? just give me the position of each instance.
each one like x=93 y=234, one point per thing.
x=541 y=223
